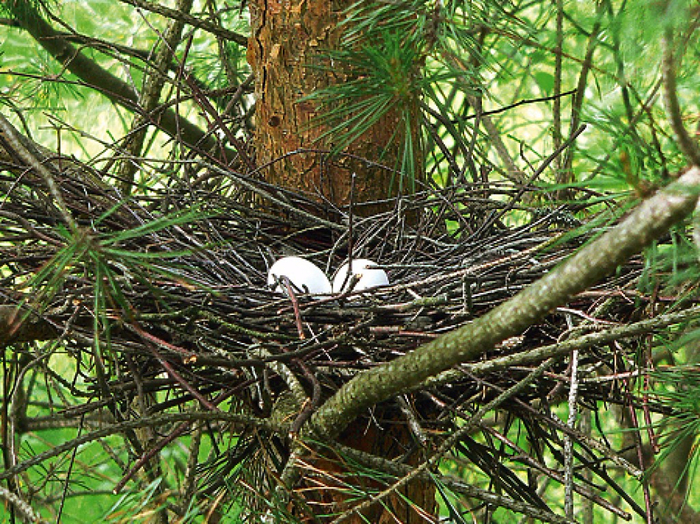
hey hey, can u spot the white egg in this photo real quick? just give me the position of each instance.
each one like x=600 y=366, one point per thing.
x=304 y=276
x=369 y=276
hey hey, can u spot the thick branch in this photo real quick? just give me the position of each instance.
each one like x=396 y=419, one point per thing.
x=559 y=349
x=98 y=78
x=649 y=221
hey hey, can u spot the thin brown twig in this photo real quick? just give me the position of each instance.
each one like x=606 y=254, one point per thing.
x=673 y=110
x=295 y=306
x=155 y=420
x=201 y=23
x=445 y=446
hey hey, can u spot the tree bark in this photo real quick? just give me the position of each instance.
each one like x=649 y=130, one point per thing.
x=288 y=51
x=19 y=325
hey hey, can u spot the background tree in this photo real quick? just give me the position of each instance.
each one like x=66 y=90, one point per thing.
x=145 y=354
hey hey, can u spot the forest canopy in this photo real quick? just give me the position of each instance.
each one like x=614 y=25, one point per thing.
x=498 y=198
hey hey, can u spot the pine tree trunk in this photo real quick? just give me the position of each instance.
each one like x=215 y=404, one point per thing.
x=288 y=44
x=287 y=38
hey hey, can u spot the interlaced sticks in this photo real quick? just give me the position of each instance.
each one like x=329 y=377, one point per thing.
x=215 y=306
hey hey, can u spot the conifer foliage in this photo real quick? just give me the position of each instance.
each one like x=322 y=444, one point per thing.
x=523 y=175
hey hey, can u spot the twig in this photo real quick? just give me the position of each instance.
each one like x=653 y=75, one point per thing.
x=508 y=107
x=447 y=445
x=556 y=104
x=577 y=101
x=687 y=145
x=153 y=421
x=199 y=22
x=295 y=306
x=640 y=454
x=649 y=221
x=66 y=482
x=149 y=96
x=412 y=419
x=12 y=142
x=568 y=443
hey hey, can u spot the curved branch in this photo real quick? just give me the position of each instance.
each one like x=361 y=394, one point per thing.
x=100 y=79
x=113 y=48
x=10 y=141
x=599 y=258
x=565 y=347
x=687 y=145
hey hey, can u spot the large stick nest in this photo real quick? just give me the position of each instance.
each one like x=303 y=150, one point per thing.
x=190 y=313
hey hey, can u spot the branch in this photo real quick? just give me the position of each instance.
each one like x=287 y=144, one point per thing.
x=153 y=421
x=12 y=142
x=26 y=513
x=448 y=443
x=556 y=106
x=100 y=79
x=599 y=258
x=20 y=325
x=457 y=485
x=577 y=101
x=686 y=144
x=565 y=347
x=150 y=95
x=187 y=18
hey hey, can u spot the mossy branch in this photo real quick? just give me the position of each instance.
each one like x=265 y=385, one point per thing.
x=648 y=222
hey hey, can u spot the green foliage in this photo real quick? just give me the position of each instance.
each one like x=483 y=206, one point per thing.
x=480 y=73
x=383 y=81
x=677 y=388
x=393 y=57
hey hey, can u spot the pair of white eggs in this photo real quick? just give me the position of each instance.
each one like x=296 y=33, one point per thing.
x=306 y=277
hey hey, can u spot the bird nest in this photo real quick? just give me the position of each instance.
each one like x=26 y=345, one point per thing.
x=192 y=287
x=167 y=297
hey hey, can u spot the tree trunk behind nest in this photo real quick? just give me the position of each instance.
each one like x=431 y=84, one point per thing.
x=288 y=51
x=333 y=486
x=288 y=39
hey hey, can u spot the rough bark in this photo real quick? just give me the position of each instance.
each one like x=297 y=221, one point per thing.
x=288 y=43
